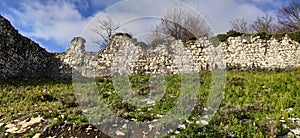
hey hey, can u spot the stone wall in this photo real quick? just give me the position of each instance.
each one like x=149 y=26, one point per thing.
x=21 y=57
x=124 y=55
x=255 y=53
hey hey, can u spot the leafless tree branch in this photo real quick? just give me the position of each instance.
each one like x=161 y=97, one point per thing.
x=290 y=16
x=264 y=24
x=240 y=25
x=183 y=24
x=105 y=28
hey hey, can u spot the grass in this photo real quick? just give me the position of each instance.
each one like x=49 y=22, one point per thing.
x=253 y=103
x=50 y=98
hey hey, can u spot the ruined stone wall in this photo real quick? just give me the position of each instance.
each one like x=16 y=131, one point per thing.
x=21 y=57
x=124 y=55
x=255 y=53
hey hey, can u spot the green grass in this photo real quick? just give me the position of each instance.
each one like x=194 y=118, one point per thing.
x=252 y=106
x=50 y=98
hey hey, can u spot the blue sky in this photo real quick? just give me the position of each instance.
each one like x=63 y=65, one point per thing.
x=53 y=23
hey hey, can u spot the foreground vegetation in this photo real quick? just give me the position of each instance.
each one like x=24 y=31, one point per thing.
x=255 y=104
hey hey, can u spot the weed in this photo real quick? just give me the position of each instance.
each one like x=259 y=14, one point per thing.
x=252 y=106
x=30 y=134
x=237 y=80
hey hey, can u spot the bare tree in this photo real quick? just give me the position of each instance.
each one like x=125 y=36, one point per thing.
x=280 y=28
x=264 y=24
x=105 y=28
x=183 y=24
x=240 y=25
x=289 y=16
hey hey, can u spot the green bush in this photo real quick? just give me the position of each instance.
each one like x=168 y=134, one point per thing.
x=222 y=37
x=263 y=35
x=295 y=36
x=279 y=36
x=231 y=33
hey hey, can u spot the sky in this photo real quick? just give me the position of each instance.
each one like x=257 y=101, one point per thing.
x=54 y=23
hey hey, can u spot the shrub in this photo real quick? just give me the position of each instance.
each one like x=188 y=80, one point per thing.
x=222 y=37
x=295 y=36
x=279 y=36
x=231 y=33
x=263 y=35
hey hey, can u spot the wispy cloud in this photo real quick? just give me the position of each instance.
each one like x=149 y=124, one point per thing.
x=219 y=13
x=134 y=16
x=59 y=21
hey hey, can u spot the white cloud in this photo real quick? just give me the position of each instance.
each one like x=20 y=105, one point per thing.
x=135 y=16
x=219 y=13
x=51 y=21
x=60 y=21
